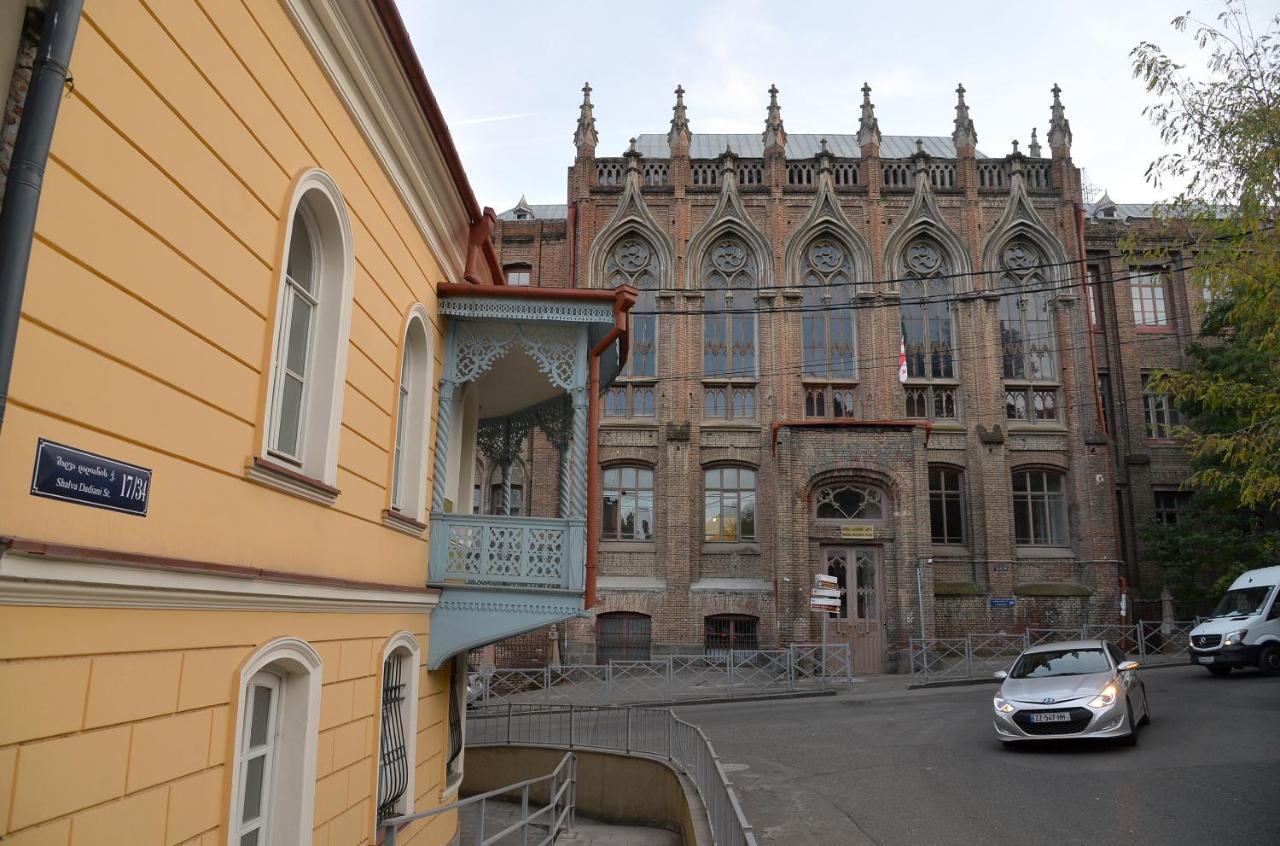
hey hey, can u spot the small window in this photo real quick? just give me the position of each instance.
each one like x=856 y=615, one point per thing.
x=725 y=632
x=729 y=506
x=1147 y=291
x=398 y=729
x=518 y=274
x=946 y=505
x=1169 y=505
x=457 y=721
x=622 y=636
x=1162 y=416
x=849 y=502
x=628 y=504
x=1039 y=508
x=1094 y=296
x=258 y=750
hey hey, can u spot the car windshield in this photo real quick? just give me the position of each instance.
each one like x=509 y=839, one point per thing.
x=1062 y=662
x=1242 y=602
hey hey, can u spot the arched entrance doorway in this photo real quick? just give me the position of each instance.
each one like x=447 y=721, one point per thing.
x=857 y=567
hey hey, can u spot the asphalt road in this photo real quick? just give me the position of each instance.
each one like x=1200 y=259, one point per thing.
x=923 y=767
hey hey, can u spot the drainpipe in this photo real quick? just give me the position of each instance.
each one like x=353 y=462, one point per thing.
x=26 y=171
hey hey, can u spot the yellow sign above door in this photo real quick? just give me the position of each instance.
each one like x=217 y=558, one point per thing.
x=857 y=532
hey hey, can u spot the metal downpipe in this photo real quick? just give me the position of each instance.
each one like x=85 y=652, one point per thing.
x=26 y=171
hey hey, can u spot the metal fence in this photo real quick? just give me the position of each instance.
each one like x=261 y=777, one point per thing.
x=655 y=732
x=725 y=673
x=977 y=655
x=544 y=821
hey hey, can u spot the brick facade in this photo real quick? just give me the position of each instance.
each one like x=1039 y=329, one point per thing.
x=874 y=198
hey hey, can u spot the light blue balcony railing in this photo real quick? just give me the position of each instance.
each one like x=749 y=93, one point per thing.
x=522 y=553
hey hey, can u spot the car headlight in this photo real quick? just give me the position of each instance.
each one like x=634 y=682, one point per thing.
x=1105 y=698
x=1003 y=707
x=1235 y=637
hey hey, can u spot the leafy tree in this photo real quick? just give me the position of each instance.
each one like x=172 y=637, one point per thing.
x=1224 y=130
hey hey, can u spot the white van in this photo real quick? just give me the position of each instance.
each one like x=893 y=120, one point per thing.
x=1244 y=630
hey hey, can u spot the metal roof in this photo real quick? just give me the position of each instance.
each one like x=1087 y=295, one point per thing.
x=553 y=212
x=1123 y=211
x=799 y=146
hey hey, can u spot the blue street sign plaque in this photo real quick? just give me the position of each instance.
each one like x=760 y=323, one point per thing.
x=1003 y=602
x=73 y=475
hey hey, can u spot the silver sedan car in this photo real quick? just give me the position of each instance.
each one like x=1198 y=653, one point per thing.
x=1081 y=688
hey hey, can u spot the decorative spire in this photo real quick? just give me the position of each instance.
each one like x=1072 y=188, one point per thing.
x=824 y=156
x=774 y=135
x=868 y=126
x=964 y=135
x=633 y=157
x=679 y=133
x=1015 y=148
x=1059 y=127
x=921 y=158
x=1033 y=149
x=584 y=137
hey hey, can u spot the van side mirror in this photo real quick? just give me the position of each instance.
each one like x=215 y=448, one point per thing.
x=1128 y=666
x=1001 y=674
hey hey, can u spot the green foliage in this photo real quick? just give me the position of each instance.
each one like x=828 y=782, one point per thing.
x=1224 y=130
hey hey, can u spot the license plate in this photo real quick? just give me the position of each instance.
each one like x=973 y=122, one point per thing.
x=1051 y=717
x=1206 y=659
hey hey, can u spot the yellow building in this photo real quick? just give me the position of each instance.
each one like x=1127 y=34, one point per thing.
x=217 y=454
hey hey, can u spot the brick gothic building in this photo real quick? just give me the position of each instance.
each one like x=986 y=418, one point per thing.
x=768 y=428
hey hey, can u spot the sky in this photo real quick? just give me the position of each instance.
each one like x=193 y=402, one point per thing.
x=508 y=75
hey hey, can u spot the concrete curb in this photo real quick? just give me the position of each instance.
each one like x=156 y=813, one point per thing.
x=994 y=680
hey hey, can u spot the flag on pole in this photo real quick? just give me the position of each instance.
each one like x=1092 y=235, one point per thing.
x=902 y=360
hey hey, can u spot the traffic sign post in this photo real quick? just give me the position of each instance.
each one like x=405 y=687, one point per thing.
x=825 y=598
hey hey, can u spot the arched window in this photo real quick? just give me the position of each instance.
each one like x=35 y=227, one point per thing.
x=729 y=504
x=622 y=636
x=729 y=274
x=274 y=772
x=849 y=502
x=409 y=460
x=633 y=261
x=309 y=344
x=830 y=336
x=628 y=503
x=946 y=504
x=1029 y=364
x=517 y=489
x=398 y=732
x=1039 y=508
x=928 y=332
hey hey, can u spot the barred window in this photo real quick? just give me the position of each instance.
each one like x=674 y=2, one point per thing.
x=729 y=504
x=622 y=636
x=457 y=710
x=1029 y=362
x=628 y=504
x=946 y=505
x=1163 y=417
x=849 y=502
x=1039 y=508
x=393 y=748
x=725 y=632
x=1147 y=291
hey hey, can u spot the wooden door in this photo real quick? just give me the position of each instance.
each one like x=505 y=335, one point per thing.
x=866 y=610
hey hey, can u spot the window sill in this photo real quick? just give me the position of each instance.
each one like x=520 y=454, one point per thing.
x=450 y=791
x=721 y=423
x=273 y=475
x=949 y=550
x=628 y=422
x=1154 y=330
x=625 y=546
x=1053 y=427
x=403 y=523
x=729 y=548
x=1044 y=552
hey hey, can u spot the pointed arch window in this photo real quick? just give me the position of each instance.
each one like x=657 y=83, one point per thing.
x=633 y=261
x=829 y=329
x=928 y=332
x=1028 y=359
x=729 y=274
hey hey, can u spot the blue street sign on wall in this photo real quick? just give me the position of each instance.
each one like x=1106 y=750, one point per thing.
x=73 y=475
x=1003 y=602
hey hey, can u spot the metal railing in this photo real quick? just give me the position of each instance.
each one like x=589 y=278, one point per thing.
x=548 y=820
x=724 y=673
x=652 y=732
x=977 y=655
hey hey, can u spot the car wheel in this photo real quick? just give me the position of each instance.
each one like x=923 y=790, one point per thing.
x=1130 y=739
x=1269 y=659
x=1146 y=708
x=1218 y=670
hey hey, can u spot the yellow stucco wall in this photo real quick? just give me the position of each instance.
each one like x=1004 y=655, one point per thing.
x=145 y=329
x=147 y=315
x=116 y=725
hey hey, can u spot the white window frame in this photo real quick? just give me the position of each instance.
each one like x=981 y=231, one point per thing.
x=410 y=651
x=413 y=434
x=291 y=789
x=275 y=683
x=316 y=197
x=293 y=290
